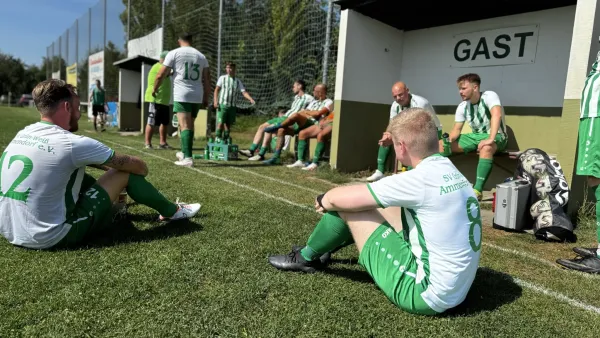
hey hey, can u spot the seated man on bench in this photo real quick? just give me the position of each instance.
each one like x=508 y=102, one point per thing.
x=322 y=132
x=297 y=122
x=485 y=115
x=301 y=101
x=418 y=234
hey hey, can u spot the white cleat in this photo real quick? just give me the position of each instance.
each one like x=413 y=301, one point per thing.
x=297 y=164
x=256 y=158
x=186 y=162
x=376 y=176
x=180 y=155
x=183 y=211
x=246 y=152
x=311 y=167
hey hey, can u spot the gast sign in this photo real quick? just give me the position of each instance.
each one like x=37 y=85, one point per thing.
x=504 y=46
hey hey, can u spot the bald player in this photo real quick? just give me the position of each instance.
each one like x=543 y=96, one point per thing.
x=403 y=99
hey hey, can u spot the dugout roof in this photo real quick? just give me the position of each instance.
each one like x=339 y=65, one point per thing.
x=411 y=15
x=134 y=63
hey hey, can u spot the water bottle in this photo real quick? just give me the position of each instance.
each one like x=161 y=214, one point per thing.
x=447 y=145
x=175 y=121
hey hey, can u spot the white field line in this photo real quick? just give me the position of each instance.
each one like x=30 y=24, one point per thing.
x=219 y=178
x=536 y=288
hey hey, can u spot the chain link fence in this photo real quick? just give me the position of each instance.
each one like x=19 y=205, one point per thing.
x=273 y=42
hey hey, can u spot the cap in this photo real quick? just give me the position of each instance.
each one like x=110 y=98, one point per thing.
x=164 y=54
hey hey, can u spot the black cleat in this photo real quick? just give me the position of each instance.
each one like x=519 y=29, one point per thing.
x=586 y=252
x=583 y=264
x=325 y=258
x=294 y=261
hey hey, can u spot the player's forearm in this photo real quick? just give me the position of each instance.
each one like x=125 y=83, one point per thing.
x=247 y=96
x=494 y=125
x=130 y=164
x=314 y=113
x=216 y=95
x=158 y=81
x=349 y=198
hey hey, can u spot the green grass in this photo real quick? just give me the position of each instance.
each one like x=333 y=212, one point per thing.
x=210 y=277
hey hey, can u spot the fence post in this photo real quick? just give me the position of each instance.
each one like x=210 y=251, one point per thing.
x=219 y=40
x=162 y=16
x=89 y=33
x=77 y=44
x=128 y=26
x=104 y=34
x=327 y=41
x=67 y=49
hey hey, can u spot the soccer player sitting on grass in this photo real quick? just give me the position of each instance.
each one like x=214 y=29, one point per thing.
x=301 y=100
x=485 y=115
x=403 y=99
x=47 y=198
x=225 y=101
x=296 y=122
x=418 y=234
x=322 y=132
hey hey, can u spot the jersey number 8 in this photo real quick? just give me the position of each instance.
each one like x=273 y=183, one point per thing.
x=474 y=220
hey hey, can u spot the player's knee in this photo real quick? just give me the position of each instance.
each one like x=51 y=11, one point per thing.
x=320 y=137
x=280 y=132
x=487 y=150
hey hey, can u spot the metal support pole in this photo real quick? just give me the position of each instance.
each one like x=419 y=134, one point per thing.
x=104 y=28
x=219 y=41
x=60 y=58
x=67 y=49
x=128 y=25
x=77 y=41
x=162 y=16
x=90 y=33
x=327 y=41
x=52 y=61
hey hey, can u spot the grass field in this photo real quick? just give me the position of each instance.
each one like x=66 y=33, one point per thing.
x=210 y=277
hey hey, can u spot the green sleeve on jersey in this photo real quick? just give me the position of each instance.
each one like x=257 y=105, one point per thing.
x=375 y=196
x=112 y=154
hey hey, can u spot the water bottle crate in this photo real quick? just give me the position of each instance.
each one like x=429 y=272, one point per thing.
x=222 y=152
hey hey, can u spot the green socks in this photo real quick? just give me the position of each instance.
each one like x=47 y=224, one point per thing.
x=262 y=151
x=318 y=152
x=301 y=149
x=484 y=169
x=253 y=147
x=219 y=133
x=185 y=143
x=597 y=194
x=330 y=233
x=277 y=153
x=145 y=193
x=226 y=134
x=382 y=155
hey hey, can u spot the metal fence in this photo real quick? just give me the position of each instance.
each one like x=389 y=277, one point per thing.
x=273 y=42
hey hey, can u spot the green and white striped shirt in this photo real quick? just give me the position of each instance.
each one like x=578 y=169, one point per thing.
x=478 y=115
x=317 y=105
x=416 y=101
x=228 y=94
x=300 y=103
x=590 y=97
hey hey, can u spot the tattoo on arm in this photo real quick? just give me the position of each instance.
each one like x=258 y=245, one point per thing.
x=120 y=160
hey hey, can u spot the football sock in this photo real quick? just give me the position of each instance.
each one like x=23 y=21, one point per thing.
x=597 y=194
x=253 y=147
x=277 y=153
x=226 y=134
x=382 y=155
x=145 y=193
x=484 y=169
x=191 y=143
x=318 y=152
x=301 y=149
x=219 y=133
x=185 y=135
x=263 y=151
x=330 y=233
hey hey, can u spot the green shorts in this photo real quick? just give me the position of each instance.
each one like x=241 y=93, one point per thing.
x=588 y=153
x=226 y=114
x=92 y=211
x=186 y=107
x=309 y=123
x=276 y=120
x=470 y=142
x=387 y=257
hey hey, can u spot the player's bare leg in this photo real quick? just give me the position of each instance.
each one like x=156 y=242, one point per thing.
x=281 y=133
x=303 y=137
x=258 y=138
x=323 y=136
x=186 y=127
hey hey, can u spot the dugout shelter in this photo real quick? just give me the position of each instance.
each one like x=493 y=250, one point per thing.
x=534 y=54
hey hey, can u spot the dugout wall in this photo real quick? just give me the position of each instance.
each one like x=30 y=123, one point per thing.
x=534 y=55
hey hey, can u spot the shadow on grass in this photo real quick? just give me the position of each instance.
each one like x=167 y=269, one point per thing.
x=490 y=290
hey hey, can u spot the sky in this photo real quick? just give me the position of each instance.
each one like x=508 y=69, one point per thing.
x=35 y=24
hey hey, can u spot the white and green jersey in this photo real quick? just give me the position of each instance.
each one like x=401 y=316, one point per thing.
x=230 y=86
x=187 y=64
x=317 y=105
x=441 y=220
x=590 y=96
x=416 y=101
x=300 y=103
x=41 y=172
x=479 y=115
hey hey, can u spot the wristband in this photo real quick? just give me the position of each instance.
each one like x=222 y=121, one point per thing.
x=319 y=200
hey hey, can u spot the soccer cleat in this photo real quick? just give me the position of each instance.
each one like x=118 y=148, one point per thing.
x=586 y=252
x=183 y=211
x=325 y=258
x=583 y=264
x=165 y=146
x=180 y=155
x=148 y=146
x=257 y=158
x=376 y=176
x=297 y=164
x=311 y=167
x=246 y=152
x=478 y=195
x=294 y=261
x=272 y=128
x=272 y=161
x=186 y=162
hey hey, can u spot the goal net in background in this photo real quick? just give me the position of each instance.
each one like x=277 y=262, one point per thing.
x=272 y=42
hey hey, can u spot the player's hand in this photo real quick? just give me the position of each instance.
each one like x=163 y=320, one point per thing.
x=252 y=102
x=386 y=140
x=205 y=103
x=318 y=208
x=154 y=93
x=484 y=143
x=216 y=105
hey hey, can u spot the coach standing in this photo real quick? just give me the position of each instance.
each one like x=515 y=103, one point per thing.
x=158 y=111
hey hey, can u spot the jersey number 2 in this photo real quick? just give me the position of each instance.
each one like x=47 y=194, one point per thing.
x=474 y=220
x=27 y=168
x=195 y=68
